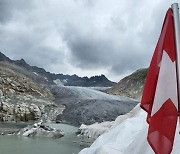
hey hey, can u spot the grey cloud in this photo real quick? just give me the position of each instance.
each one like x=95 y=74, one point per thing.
x=118 y=47
x=9 y=7
x=29 y=44
x=84 y=35
x=87 y=3
x=89 y=52
x=34 y=54
x=45 y=56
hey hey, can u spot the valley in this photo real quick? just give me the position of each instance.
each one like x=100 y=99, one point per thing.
x=29 y=95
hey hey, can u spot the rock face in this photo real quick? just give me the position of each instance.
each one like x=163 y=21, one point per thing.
x=20 y=112
x=130 y=86
x=40 y=130
x=21 y=99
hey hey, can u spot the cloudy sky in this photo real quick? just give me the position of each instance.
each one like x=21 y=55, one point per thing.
x=83 y=37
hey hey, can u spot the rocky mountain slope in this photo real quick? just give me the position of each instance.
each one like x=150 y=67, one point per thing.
x=21 y=99
x=41 y=76
x=130 y=86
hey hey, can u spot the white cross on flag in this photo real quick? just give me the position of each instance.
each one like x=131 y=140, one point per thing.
x=160 y=99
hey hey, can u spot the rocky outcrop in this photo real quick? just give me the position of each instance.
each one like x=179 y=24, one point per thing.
x=21 y=99
x=28 y=112
x=20 y=112
x=130 y=86
x=40 y=130
x=17 y=87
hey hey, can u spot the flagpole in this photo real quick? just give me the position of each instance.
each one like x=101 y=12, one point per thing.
x=175 y=9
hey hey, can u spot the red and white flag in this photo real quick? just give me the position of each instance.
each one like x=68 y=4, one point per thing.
x=160 y=99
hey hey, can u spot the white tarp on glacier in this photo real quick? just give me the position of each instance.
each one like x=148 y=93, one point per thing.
x=127 y=136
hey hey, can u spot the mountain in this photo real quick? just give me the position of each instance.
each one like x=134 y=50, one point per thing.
x=4 y=58
x=22 y=99
x=30 y=93
x=40 y=75
x=130 y=86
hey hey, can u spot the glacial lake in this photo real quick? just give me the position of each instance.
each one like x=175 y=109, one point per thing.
x=69 y=144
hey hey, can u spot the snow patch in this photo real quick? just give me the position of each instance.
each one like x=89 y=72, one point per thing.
x=35 y=73
x=45 y=78
x=65 y=81
x=58 y=82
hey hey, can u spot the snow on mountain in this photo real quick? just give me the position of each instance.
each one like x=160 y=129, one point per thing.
x=129 y=136
x=36 y=73
x=58 y=82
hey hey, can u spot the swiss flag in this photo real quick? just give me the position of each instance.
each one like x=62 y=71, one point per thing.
x=160 y=99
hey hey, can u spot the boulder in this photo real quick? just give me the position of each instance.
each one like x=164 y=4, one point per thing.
x=40 y=130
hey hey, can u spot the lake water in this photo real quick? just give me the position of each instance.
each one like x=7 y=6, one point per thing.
x=69 y=144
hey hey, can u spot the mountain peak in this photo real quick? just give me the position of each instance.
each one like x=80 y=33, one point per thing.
x=22 y=60
x=4 y=58
x=22 y=63
x=40 y=75
x=130 y=86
